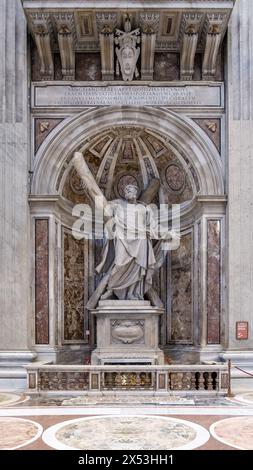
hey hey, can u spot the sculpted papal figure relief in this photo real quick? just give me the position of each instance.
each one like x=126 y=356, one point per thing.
x=135 y=246
x=127 y=51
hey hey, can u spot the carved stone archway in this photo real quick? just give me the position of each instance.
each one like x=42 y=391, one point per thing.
x=179 y=132
x=192 y=324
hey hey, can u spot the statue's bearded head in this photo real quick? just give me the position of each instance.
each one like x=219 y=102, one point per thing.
x=130 y=192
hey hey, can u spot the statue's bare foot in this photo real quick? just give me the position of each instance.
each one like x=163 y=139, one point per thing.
x=106 y=295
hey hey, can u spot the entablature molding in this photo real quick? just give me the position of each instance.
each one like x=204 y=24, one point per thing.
x=185 y=27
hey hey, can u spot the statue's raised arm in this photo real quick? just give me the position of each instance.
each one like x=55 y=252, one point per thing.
x=89 y=180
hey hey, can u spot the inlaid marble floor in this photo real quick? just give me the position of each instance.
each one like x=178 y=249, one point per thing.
x=126 y=433
x=59 y=423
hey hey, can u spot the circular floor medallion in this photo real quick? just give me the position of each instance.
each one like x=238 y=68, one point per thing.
x=234 y=432
x=18 y=432
x=126 y=433
x=7 y=399
x=246 y=398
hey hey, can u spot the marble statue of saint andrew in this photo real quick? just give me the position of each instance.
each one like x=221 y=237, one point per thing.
x=129 y=259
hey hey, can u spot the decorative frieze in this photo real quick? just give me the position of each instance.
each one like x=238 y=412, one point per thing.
x=185 y=31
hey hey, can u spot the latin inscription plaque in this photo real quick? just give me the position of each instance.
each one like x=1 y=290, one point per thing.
x=58 y=95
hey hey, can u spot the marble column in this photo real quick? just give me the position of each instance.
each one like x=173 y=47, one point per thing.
x=240 y=185
x=14 y=227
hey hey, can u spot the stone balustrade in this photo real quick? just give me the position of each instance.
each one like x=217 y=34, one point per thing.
x=190 y=379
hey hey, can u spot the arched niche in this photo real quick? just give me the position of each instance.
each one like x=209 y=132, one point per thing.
x=177 y=132
x=193 y=311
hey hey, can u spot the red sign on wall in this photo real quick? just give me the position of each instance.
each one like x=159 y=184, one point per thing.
x=242 y=330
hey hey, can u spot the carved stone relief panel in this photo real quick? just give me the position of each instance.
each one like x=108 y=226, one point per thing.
x=75 y=259
x=181 y=292
x=43 y=127
x=176 y=182
x=212 y=128
x=127 y=332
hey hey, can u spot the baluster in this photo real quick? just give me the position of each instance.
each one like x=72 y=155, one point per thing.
x=201 y=381
x=147 y=380
x=138 y=380
x=193 y=381
x=117 y=380
x=109 y=380
x=186 y=381
x=143 y=378
x=209 y=381
x=215 y=381
x=169 y=381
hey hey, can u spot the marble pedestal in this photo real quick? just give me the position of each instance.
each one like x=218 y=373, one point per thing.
x=127 y=333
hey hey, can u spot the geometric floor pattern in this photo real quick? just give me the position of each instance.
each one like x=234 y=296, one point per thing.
x=126 y=433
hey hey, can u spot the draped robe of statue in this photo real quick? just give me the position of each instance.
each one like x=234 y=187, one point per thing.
x=128 y=260
x=132 y=256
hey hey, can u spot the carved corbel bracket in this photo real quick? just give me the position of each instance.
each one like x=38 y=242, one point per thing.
x=42 y=31
x=149 y=23
x=215 y=27
x=106 y=24
x=66 y=39
x=191 y=25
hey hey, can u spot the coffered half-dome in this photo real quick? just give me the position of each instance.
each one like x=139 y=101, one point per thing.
x=124 y=154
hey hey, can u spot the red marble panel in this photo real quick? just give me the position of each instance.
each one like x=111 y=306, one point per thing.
x=181 y=282
x=75 y=288
x=41 y=282
x=213 y=281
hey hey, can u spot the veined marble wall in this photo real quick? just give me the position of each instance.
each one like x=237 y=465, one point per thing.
x=75 y=296
x=240 y=172
x=14 y=185
x=181 y=325
x=213 y=281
